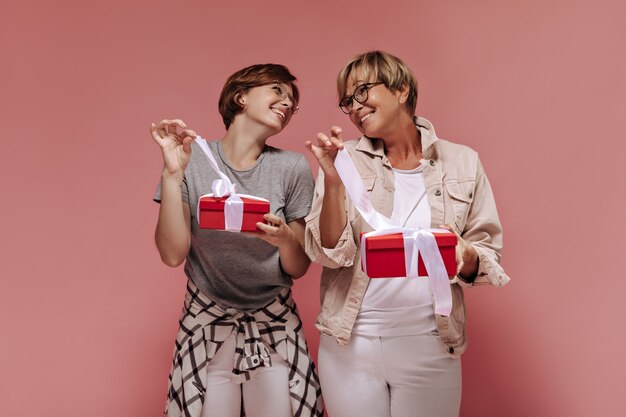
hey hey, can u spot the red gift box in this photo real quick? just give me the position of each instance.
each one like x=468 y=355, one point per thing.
x=211 y=213
x=385 y=255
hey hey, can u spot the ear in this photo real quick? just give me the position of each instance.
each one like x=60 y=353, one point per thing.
x=403 y=94
x=241 y=98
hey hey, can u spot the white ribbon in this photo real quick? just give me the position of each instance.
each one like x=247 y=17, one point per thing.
x=416 y=242
x=224 y=187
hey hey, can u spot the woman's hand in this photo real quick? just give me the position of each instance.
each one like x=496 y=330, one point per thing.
x=289 y=239
x=332 y=219
x=176 y=146
x=276 y=232
x=465 y=253
x=326 y=151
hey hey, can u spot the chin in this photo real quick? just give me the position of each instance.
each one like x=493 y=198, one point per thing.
x=275 y=129
x=369 y=131
x=274 y=125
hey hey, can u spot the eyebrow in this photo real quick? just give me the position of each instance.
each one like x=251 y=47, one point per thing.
x=283 y=85
x=357 y=83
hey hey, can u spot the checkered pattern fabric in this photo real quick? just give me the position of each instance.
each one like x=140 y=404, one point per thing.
x=204 y=326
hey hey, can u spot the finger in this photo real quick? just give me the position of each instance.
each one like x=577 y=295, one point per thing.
x=309 y=145
x=188 y=133
x=266 y=228
x=163 y=125
x=316 y=151
x=274 y=219
x=323 y=140
x=172 y=124
x=155 y=134
x=460 y=241
x=187 y=144
x=447 y=227
x=175 y=122
x=336 y=131
x=179 y=123
x=336 y=142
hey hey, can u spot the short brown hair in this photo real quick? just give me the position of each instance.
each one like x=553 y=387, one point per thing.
x=250 y=77
x=386 y=68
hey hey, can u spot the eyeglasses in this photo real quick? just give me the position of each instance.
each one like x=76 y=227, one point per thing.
x=284 y=94
x=360 y=95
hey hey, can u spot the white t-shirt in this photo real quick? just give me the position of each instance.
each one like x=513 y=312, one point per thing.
x=401 y=306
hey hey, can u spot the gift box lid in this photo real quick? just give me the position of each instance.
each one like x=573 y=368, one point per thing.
x=395 y=241
x=249 y=205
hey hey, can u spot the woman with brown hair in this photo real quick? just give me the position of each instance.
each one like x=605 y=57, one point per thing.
x=240 y=340
x=387 y=348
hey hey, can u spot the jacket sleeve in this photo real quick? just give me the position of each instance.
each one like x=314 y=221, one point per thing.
x=483 y=231
x=342 y=255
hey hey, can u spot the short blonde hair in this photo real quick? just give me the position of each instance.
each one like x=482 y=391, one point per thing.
x=386 y=68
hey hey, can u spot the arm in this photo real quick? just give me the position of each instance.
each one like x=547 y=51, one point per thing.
x=173 y=231
x=333 y=214
x=289 y=239
x=482 y=238
x=328 y=236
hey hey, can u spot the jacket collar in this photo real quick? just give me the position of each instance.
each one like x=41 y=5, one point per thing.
x=429 y=138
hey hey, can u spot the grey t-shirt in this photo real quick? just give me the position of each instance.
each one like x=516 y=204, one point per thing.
x=232 y=269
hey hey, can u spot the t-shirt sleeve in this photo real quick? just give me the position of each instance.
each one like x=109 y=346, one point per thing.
x=184 y=188
x=300 y=186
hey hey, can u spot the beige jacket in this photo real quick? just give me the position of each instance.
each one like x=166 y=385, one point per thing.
x=458 y=193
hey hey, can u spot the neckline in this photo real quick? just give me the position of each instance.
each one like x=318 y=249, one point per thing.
x=409 y=171
x=227 y=163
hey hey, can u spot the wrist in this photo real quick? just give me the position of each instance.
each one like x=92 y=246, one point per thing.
x=332 y=183
x=172 y=177
x=469 y=268
x=288 y=242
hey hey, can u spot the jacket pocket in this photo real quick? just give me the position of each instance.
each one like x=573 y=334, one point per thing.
x=461 y=195
x=369 y=182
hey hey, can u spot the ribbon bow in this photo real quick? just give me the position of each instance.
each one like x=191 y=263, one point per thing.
x=420 y=241
x=224 y=187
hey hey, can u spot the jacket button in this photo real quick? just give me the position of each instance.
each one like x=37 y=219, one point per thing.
x=437 y=192
x=471 y=194
x=432 y=163
x=450 y=350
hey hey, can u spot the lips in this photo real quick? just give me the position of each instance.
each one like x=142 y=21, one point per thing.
x=365 y=117
x=279 y=113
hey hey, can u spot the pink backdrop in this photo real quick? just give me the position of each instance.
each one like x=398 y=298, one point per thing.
x=88 y=312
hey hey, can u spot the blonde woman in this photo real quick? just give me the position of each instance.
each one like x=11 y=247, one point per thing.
x=383 y=350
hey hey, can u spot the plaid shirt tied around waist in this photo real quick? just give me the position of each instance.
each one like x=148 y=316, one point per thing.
x=204 y=326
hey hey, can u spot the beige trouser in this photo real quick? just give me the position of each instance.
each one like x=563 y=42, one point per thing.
x=400 y=376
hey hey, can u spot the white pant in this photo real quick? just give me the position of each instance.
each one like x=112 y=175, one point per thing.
x=400 y=376
x=265 y=395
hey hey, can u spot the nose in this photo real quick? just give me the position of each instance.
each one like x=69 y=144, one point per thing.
x=287 y=103
x=356 y=106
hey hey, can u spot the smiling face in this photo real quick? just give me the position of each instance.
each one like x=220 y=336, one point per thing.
x=270 y=105
x=375 y=117
x=264 y=86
